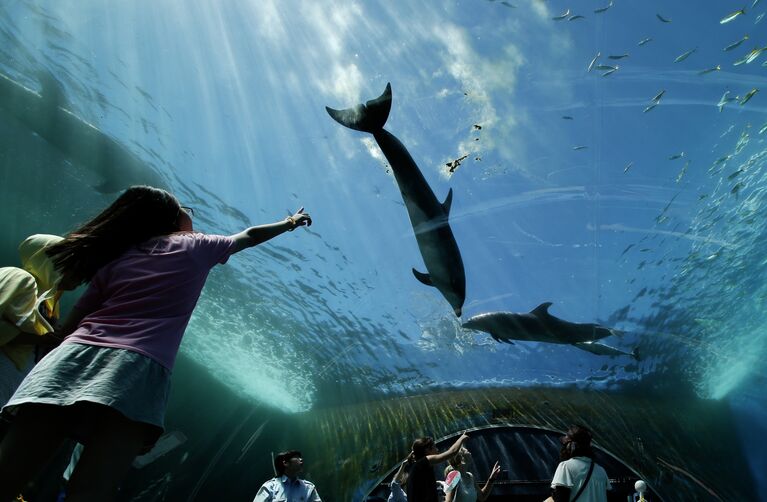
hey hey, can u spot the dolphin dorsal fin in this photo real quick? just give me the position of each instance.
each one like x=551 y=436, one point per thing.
x=448 y=201
x=424 y=278
x=542 y=309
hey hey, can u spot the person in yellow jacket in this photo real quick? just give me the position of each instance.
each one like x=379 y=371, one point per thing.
x=29 y=298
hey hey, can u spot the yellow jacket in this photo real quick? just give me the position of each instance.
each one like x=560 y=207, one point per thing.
x=24 y=292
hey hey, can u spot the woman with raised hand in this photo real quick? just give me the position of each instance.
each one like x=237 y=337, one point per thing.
x=107 y=384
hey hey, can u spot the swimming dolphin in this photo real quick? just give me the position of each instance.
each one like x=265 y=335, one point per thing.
x=47 y=115
x=428 y=216
x=601 y=349
x=540 y=326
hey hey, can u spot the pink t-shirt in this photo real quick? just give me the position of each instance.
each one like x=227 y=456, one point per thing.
x=142 y=301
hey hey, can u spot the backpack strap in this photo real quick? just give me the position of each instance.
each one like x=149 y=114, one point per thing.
x=585 y=481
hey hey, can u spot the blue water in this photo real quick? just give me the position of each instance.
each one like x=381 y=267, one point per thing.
x=224 y=102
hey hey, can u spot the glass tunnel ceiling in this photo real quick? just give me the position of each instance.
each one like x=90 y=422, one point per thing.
x=611 y=164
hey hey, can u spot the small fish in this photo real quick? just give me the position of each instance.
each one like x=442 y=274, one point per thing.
x=644 y=41
x=676 y=156
x=657 y=97
x=754 y=54
x=684 y=56
x=759 y=18
x=763 y=129
x=650 y=107
x=562 y=16
x=709 y=70
x=736 y=188
x=454 y=164
x=603 y=9
x=732 y=16
x=477 y=127
x=741 y=61
x=606 y=67
x=748 y=96
x=663 y=19
x=593 y=61
x=610 y=72
x=507 y=4
x=682 y=172
x=620 y=56
x=579 y=147
x=573 y=18
x=567 y=117
x=628 y=166
x=736 y=44
x=754 y=4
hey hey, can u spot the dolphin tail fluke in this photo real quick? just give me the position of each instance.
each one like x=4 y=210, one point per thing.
x=369 y=117
x=424 y=278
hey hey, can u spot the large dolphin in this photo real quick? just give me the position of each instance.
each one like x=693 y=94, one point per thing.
x=428 y=216
x=540 y=326
x=47 y=115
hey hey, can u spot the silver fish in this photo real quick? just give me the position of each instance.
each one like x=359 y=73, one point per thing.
x=732 y=16
x=593 y=61
x=748 y=96
x=628 y=166
x=620 y=56
x=682 y=172
x=741 y=61
x=763 y=129
x=663 y=19
x=610 y=72
x=606 y=67
x=562 y=16
x=657 y=97
x=736 y=44
x=644 y=41
x=684 y=56
x=709 y=70
x=650 y=107
x=603 y=9
x=567 y=117
x=579 y=147
x=759 y=18
x=573 y=18
x=754 y=54
x=754 y=4
x=676 y=156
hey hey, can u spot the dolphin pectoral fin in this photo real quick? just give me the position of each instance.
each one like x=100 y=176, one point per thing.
x=542 y=309
x=448 y=201
x=424 y=278
x=369 y=117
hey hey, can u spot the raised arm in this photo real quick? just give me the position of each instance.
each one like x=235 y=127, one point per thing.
x=442 y=456
x=484 y=492
x=254 y=236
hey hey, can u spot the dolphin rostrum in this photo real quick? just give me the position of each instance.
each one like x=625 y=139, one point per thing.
x=428 y=216
x=47 y=115
x=540 y=326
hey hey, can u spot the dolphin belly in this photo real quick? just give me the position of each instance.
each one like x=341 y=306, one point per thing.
x=428 y=217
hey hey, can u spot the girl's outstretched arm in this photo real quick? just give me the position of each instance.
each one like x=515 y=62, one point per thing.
x=254 y=236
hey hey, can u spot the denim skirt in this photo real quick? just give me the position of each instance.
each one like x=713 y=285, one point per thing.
x=128 y=382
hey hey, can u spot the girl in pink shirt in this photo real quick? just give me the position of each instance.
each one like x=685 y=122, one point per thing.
x=107 y=384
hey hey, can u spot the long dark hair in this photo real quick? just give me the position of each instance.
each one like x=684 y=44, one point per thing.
x=140 y=213
x=576 y=443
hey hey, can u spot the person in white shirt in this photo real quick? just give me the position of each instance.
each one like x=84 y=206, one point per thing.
x=287 y=486
x=578 y=477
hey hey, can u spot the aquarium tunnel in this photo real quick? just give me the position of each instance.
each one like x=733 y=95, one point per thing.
x=526 y=214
